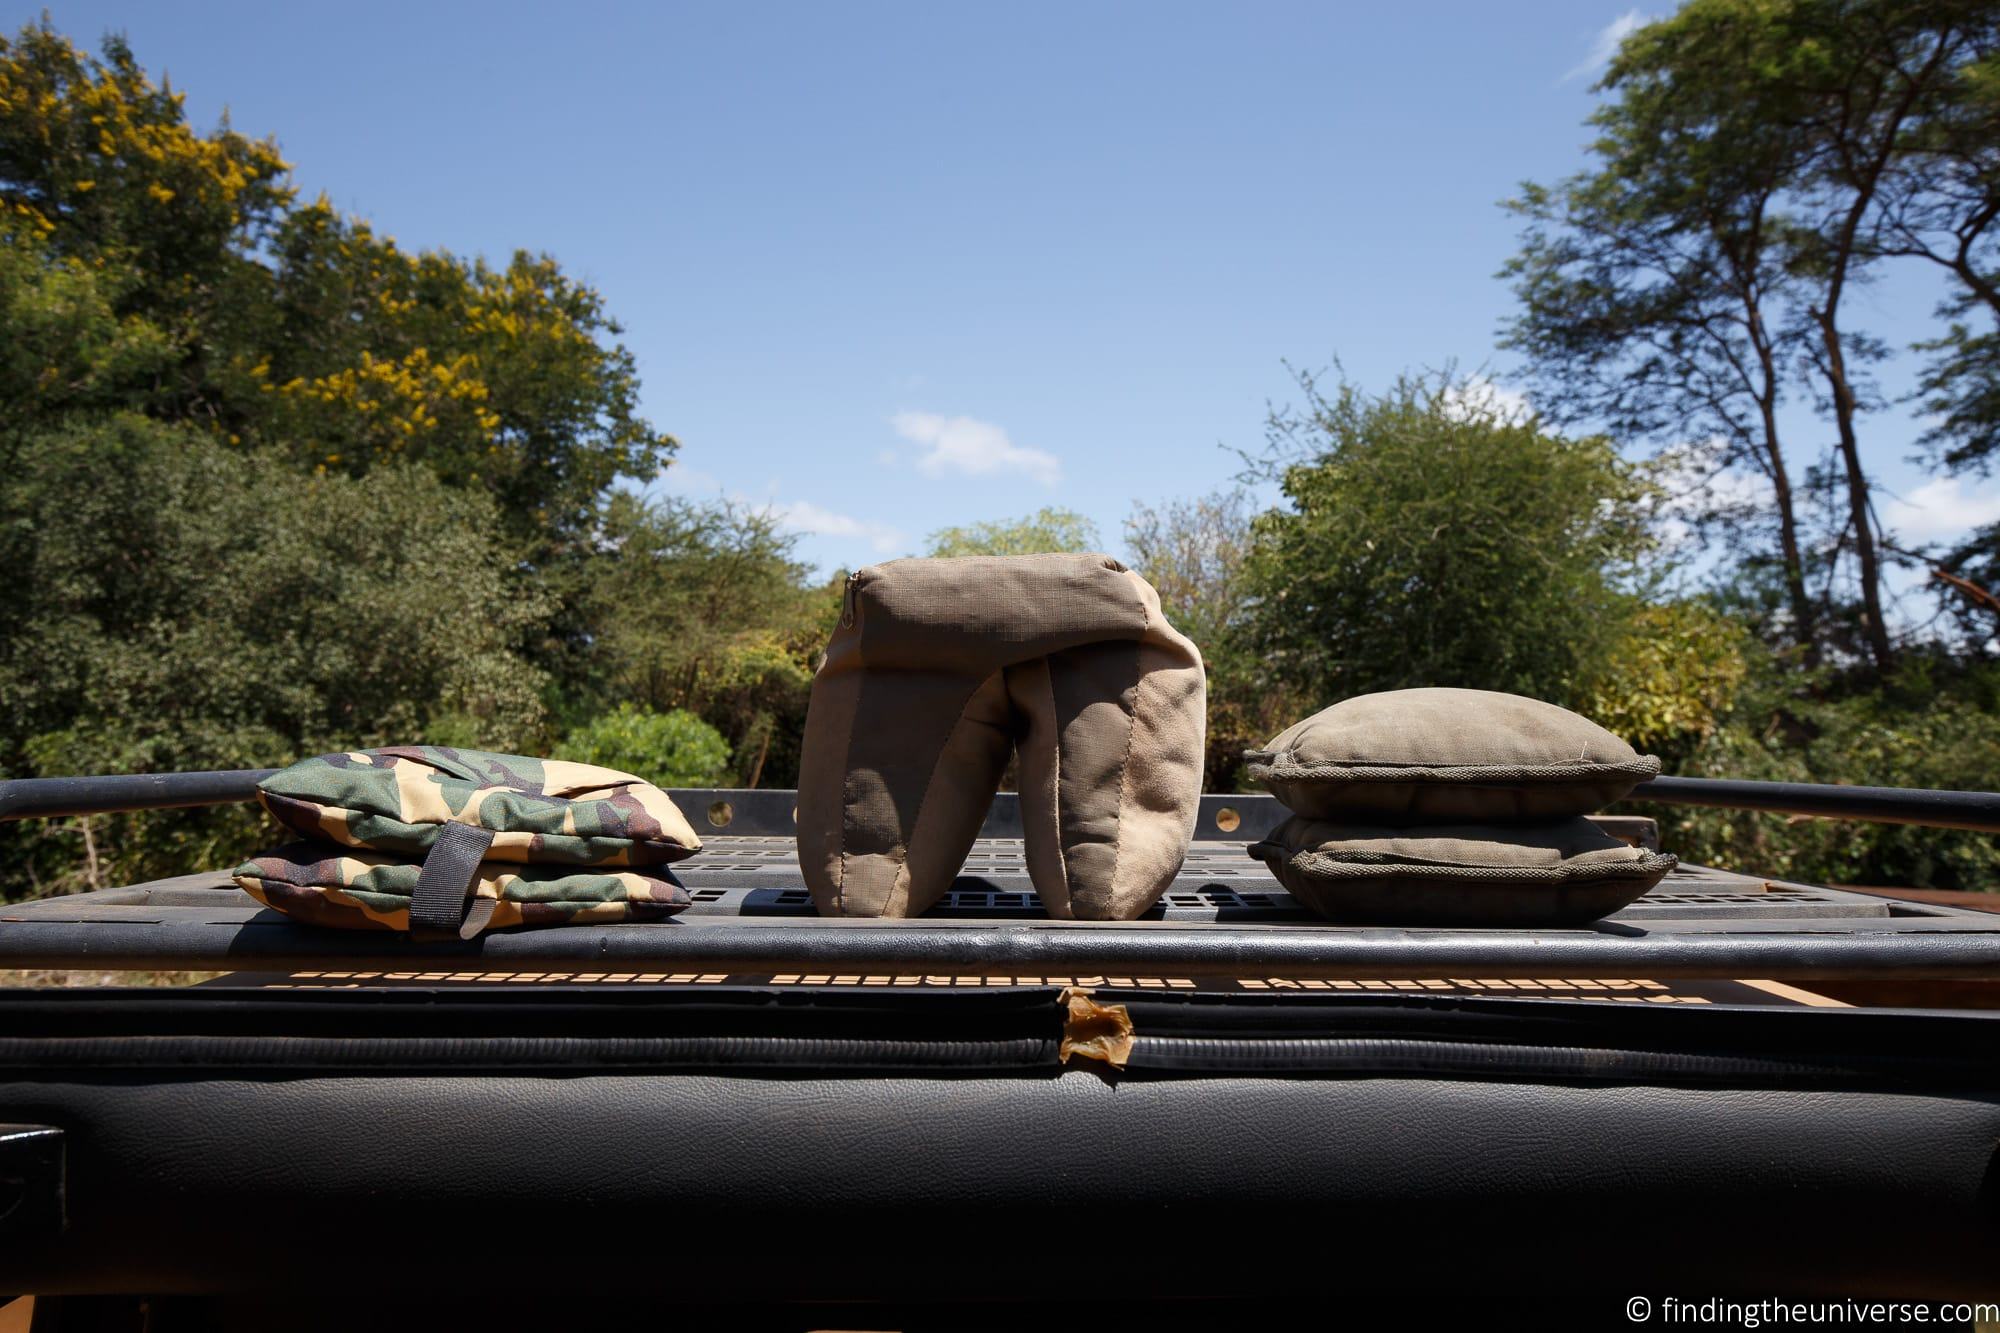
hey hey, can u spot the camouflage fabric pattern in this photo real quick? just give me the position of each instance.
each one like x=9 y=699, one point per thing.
x=542 y=811
x=325 y=886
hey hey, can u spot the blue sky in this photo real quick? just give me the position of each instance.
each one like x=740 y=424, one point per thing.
x=891 y=267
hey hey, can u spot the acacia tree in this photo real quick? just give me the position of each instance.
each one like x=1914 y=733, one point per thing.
x=1940 y=202
x=1942 y=207
x=1651 y=298
x=1856 y=82
x=1777 y=146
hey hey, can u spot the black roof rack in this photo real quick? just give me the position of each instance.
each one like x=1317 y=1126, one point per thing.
x=1224 y=916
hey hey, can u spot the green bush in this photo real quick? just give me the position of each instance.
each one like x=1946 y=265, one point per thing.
x=174 y=603
x=1431 y=537
x=700 y=606
x=1949 y=745
x=672 y=749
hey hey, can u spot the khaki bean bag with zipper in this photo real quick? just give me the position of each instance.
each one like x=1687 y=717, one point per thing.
x=937 y=670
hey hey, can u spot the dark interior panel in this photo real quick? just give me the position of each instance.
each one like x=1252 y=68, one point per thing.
x=730 y=1188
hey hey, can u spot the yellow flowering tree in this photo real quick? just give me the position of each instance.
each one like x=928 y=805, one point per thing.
x=501 y=378
x=296 y=329
x=101 y=162
x=271 y=483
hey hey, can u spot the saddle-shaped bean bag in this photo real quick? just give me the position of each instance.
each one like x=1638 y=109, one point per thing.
x=937 y=671
x=1565 y=873
x=1434 y=756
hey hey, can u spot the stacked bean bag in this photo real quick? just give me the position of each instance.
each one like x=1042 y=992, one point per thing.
x=1453 y=807
x=446 y=842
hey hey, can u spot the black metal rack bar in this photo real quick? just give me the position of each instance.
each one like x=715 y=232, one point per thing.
x=179 y=925
x=1075 y=951
x=45 y=798
x=1975 y=810
x=1240 y=817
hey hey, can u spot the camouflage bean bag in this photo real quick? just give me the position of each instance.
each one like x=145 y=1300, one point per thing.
x=1447 y=756
x=457 y=841
x=540 y=811
x=1561 y=874
x=328 y=886
x=937 y=670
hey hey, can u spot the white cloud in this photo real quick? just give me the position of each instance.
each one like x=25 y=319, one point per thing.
x=805 y=516
x=1605 y=44
x=1942 y=508
x=1477 y=397
x=800 y=516
x=1697 y=485
x=971 y=447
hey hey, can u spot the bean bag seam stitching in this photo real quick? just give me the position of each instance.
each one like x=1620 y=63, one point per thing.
x=1125 y=761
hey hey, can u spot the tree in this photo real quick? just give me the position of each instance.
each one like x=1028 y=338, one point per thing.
x=1852 y=81
x=1196 y=554
x=1759 y=158
x=1941 y=205
x=1193 y=553
x=298 y=330
x=355 y=352
x=701 y=606
x=1971 y=573
x=176 y=604
x=272 y=485
x=101 y=162
x=1654 y=302
x=1432 y=539
x=1046 y=530
x=1670 y=678
x=67 y=349
x=673 y=749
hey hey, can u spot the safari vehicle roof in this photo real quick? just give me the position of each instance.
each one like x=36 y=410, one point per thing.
x=1225 y=922
x=1721 y=1089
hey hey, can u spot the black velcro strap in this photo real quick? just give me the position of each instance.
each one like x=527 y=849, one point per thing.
x=438 y=905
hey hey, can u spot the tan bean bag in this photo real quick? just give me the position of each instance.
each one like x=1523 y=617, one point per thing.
x=937 y=670
x=1565 y=873
x=1444 y=756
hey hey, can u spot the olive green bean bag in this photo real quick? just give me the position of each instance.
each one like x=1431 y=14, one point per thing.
x=1565 y=873
x=1447 y=756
